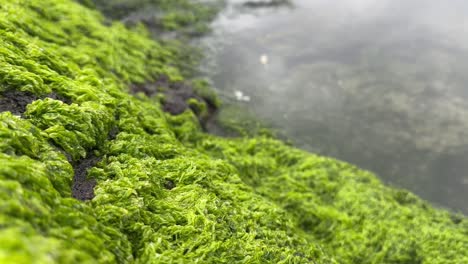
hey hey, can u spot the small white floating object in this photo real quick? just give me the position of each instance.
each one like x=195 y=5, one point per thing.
x=238 y=94
x=264 y=59
x=241 y=97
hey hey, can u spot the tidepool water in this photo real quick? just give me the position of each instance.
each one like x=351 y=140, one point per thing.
x=381 y=84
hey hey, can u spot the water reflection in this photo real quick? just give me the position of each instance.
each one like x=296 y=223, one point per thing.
x=381 y=84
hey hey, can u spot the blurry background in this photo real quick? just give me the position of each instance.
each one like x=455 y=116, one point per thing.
x=381 y=84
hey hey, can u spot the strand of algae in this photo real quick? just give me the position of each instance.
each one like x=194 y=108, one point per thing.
x=166 y=192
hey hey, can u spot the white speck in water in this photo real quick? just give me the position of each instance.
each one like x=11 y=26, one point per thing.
x=238 y=94
x=264 y=59
x=241 y=97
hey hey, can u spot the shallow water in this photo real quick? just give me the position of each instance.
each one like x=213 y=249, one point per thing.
x=381 y=84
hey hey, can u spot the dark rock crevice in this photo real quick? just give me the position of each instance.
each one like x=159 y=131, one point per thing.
x=176 y=97
x=83 y=188
x=17 y=101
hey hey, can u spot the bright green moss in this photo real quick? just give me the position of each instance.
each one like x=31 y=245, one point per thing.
x=349 y=211
x=173 y=22
x=44 y=226
x=166 y=192
x=202 y=87
x=74 y=128
x=20 y=138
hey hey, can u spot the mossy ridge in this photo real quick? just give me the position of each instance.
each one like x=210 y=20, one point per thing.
x=132 y=218
x=173 y=23
x=219 y=208
x=348 y=210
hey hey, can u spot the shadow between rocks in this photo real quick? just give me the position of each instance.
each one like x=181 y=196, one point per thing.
x=16 y=101
x=176 y=97
x=83 y=189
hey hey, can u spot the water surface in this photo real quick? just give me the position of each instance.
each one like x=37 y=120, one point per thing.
x=381 y=84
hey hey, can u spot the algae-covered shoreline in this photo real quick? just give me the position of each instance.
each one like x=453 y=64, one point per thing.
x=165 y=191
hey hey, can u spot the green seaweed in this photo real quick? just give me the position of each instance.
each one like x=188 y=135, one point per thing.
x=173 y=23
x=186 y=17
x=203 y=88
x=167 y=192
x=348 y=210
x=234 y=120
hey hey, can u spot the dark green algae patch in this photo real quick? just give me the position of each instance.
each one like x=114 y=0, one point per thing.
x=183 y=17
x=166 y=192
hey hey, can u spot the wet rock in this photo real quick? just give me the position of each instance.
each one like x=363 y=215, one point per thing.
x=176 y=97
x=263 y=4
x=169 y=184
x=113 y=133
x=16 y=101
x=83 y=189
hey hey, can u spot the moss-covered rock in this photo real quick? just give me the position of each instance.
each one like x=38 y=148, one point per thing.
x=186 y=17
x=165 y=191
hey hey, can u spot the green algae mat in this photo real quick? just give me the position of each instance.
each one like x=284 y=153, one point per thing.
x=91 y=173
